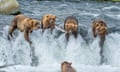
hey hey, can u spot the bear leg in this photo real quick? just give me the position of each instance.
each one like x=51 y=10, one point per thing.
x=11 y=29
x=26 y=36
x=67 y=36
x=75 y=34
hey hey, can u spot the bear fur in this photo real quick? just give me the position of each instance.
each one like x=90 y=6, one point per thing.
x=66 y=67
x=99 y=28
x=24 y=24
x=48 y=21
x=71 y=26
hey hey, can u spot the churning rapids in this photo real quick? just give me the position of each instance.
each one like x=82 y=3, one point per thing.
x=50 y=50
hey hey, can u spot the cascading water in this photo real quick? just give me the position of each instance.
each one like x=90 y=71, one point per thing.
x=48 y=50
x=52 y=51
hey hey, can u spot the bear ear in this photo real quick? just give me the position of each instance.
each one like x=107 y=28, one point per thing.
x=47 y=16
x=105 y=24
x=31 y=23
x=94 y=22
x=105 y=28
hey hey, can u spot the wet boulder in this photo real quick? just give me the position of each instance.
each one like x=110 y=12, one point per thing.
x=9 y=7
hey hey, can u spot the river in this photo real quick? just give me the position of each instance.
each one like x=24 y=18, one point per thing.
x=50 y=50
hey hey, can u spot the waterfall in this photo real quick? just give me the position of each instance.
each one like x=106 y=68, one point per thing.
x=51 y=50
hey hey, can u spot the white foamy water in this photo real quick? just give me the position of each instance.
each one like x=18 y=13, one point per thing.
x=111 y=7
x=51 y=52
x=114 y=16
x=112 y=49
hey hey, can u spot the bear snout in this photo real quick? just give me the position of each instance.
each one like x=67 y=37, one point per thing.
x=52 y=21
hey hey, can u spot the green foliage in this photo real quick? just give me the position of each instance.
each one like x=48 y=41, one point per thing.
x=82 y=0
x=116 y=0
x=110 y=0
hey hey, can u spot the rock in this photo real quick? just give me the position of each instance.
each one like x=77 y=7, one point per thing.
x=9 y=7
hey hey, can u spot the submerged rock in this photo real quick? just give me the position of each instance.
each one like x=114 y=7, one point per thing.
x=9 y=7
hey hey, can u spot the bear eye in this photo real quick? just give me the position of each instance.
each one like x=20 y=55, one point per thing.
x=97 y=24
x=36 y=24
x=53 y=19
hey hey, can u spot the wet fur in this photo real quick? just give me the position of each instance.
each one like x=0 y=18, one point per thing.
x=66 y=67
x=99 y=28
x=24 y=24
x=48 y=21
x=71 y=24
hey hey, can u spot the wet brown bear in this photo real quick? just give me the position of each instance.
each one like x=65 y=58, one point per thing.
x=24 y=24
x=66 y=67
x=48 y=21
x=71 y=26
x=99 y=28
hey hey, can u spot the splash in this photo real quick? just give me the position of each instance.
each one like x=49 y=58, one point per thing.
x=50 y=50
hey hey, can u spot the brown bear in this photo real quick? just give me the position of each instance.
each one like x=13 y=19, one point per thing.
x=71 y=26
x=99 y=28
x=48 y=21
x=66 y=67
x=24 y=24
